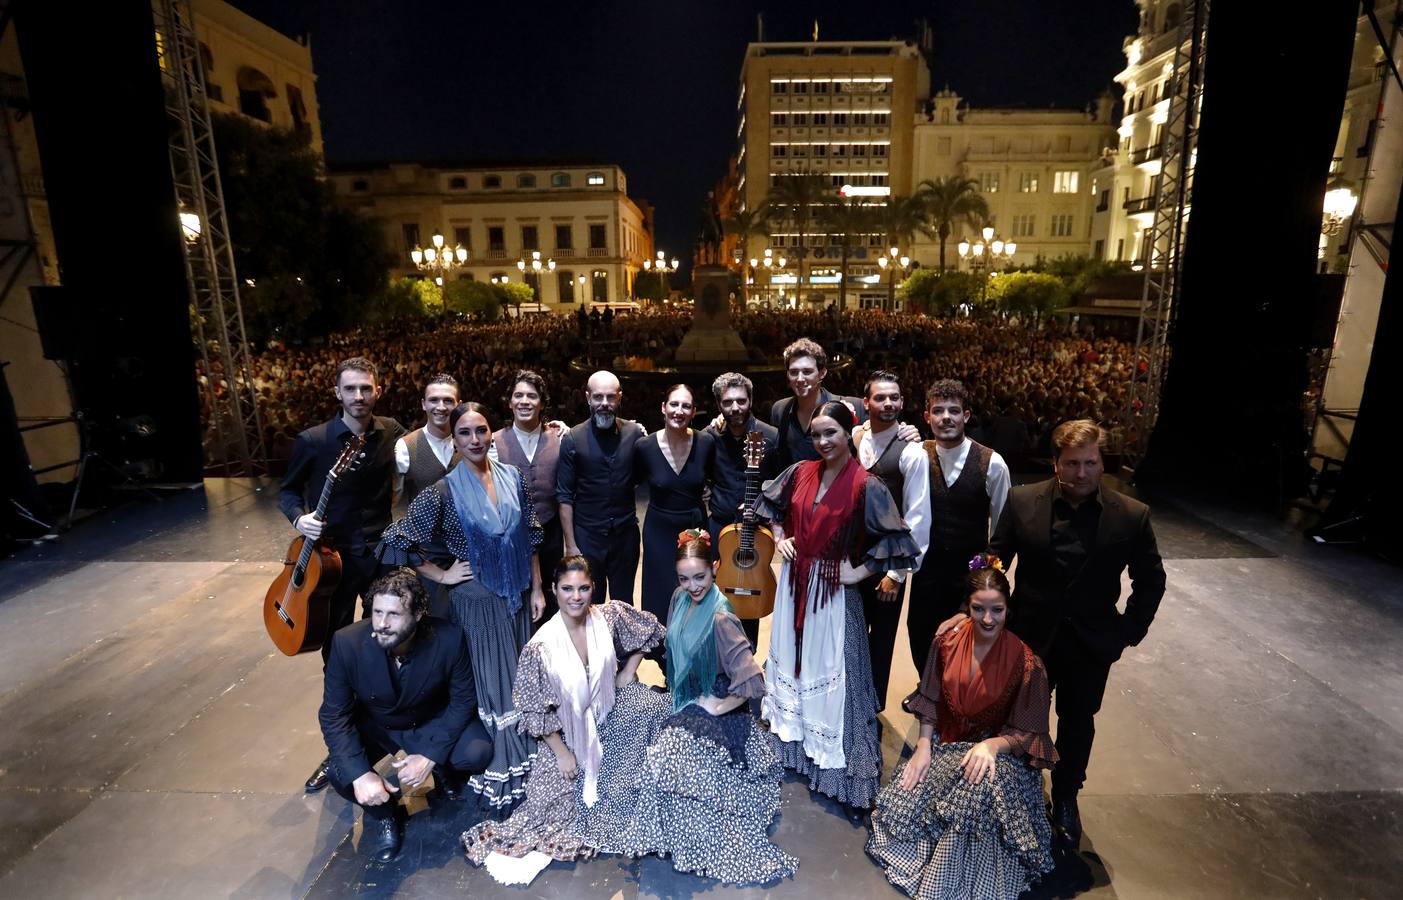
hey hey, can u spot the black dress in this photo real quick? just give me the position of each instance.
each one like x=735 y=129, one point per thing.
x=674 y=504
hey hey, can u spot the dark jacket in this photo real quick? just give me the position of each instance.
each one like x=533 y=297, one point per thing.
x=359 y=510
x=1045 y=602
x=794 y=444
x=436 y=701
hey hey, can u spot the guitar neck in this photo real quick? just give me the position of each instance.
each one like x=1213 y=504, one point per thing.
x=306 y=555
x=752 y=493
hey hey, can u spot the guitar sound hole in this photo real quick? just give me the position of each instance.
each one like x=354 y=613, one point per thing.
x=745 y=559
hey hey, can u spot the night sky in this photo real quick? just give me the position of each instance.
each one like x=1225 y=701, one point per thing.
x=650 y=86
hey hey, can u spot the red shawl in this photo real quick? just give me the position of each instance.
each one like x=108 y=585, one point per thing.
x=968 y=696
x=820 y=534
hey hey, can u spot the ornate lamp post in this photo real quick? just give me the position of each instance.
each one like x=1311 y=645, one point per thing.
x=773 y=263
x=536 y=266
x=662 y=268
x=438 y=260
x=985 y=254
x=895 y=263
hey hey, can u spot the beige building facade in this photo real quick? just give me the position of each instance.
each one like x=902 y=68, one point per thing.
x=1035 y=169
x=579 y=217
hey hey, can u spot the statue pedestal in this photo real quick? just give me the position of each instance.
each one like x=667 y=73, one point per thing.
x=711 y=337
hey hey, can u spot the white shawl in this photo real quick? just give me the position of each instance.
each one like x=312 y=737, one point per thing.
x=585 y=700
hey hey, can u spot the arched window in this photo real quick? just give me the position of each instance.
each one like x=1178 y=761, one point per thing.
x=560 y=179
x=457 y=183
x=525 y=181
x=599 y=287
x=255 y=90
x=492 y=181
x=565 y=286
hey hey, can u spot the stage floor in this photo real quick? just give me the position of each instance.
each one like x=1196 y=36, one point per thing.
x=154 y=744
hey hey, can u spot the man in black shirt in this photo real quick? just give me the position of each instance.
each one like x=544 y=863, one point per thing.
x=359 y=510
x=594 y=484
x=733 y=392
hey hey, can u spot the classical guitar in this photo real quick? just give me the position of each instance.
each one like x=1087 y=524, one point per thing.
x=297 y=607
x=744 y=576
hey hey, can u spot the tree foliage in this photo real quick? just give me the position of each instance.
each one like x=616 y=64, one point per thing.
x=314 y=265
x=1078 y=272
x=473 y=298
x=513 y=293
x=950 y=203
x=935 y=294
x=1028 y=293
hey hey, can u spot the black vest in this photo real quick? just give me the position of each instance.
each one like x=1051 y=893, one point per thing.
x=424 y=467
x=603 y=487
x=539 y=471
x=959 y=525
x=888 y=468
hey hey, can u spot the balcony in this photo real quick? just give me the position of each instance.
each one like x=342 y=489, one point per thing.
x=497 y=253
x=1141 y=205
x=1145 y=154
x=563 y=253
x=598 y=251
x=1104 y=205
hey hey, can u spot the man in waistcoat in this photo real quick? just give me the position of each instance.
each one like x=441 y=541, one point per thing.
x=969 y=485
x=424 y=456
x=733 y=392
x=594 y=486
x=534 y=447
x=904 y=467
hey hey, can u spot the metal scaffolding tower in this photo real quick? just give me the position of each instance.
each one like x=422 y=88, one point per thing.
x=1164 y=261
x=234 y=436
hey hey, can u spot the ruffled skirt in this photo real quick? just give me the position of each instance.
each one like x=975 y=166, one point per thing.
x=947 y=838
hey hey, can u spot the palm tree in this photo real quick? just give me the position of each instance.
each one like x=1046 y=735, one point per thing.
x=746 y=224
x=847 y=220
x=796 y=196
x=899 y=221
x=950 y=202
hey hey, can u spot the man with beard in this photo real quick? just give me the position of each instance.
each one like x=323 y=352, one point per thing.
x=969 y=484
x=594 y=486
x=903 y=466
x=360 y=506
x=426 y=454
x=399 y=680
x=534 y=447
x=734 y=392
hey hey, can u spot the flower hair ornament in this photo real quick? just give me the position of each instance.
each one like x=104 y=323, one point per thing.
x=986 y=561
x=694 y=534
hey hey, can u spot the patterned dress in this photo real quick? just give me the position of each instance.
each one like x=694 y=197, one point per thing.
x=544 y=822
x=431 y=531
x=708 y=786
x=948 y=838
x=826 y=715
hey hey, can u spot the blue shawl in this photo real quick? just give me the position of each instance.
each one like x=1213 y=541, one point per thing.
x=692 y=665
x=499 y=549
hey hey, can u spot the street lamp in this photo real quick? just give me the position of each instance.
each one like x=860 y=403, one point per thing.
x=985 y=254
x=580 y=280
x=772 y=262
x=1340 y=203
x=537 y=267
x=662 y=267
x=438 y=260
x=895 y=263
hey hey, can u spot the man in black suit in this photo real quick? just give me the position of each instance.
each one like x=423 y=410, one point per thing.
x=359 y=510
x=1073 y=539
x=594 y=485
x=400 y=680
x=805 y=366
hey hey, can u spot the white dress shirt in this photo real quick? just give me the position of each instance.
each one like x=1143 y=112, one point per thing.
x=442 y=447
x=996 y=482
x=529 y=441
x=915 y=472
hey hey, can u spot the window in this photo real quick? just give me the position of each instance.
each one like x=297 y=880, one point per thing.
x=492 y=181
x=820 y=149
x=1062 y=225
x=255 y=90
x=1099 y=250
x=599 y=287
x=525 y=181
x=596 y=236
x=594 y=179
x=457 y=183
x=496 y=238
x=988 y=182
x=463 y=235
x=564 y=237
x=1064 y=182
x=799 y=150
x=881 y=118
x=360 y=185
x=560 y=179
x=530 y=238
x=411 y=235
x=840 y=149
x=778 y=150
x=879 y=149
x=1023 y=225
x=821 y=87
x=779 y=87
x=779 y=119
x=801 y=87
x=298 y=109
x=1120 y=249
x=1028 y=183
x=820 y=118
x=565 y=286
x=861 y=118
x=859 y=149
x=466 y=276
x=840 y=118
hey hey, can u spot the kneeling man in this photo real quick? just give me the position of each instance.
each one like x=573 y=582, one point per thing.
x=399 y=680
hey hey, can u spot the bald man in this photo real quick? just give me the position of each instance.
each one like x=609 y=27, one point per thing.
x=594 y=485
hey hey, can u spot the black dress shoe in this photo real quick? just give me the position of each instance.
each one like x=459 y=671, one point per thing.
x=387 y=835
x=450 y=786
x=1066 y=821
x=320 y=777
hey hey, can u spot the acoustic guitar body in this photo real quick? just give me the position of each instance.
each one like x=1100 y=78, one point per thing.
x=297 y=615
x=744 y=576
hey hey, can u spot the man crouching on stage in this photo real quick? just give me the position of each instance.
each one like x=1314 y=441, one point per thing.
x=399 y=680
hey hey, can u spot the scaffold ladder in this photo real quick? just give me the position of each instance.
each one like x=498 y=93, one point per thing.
x=234 y=436
x=1164 y=259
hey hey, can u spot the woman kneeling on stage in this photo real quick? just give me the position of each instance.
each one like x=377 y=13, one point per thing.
x=966 y=818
